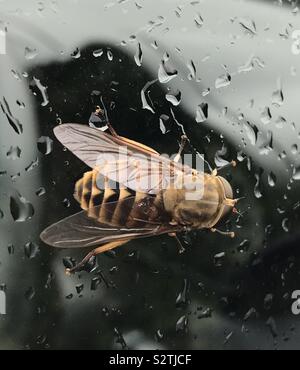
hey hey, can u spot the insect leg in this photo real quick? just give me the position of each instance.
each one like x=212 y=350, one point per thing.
x=94 y=252
x=183 y=141
x=112 y=130
x=217 y=170
x=231 y=234
x=181 y=247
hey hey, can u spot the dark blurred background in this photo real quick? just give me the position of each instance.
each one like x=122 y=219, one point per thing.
x=220 y=293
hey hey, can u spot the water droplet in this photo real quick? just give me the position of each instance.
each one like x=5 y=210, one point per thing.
x=30 y=294
x=192 y=69
x=119 y=338
x=145 y=103
x=20 y=104
x=202 y=112
x=198 y=20
x=45 y=145
x=250 y=314
x=181 y=299
x=244 y=246
x=268 y=301
x=285 y=225
x=110 y=55
x=219 y=259
x=14 y=122
x=43 y=90
x=97 y=53
x=174 y=98
x=11 y=249
x=266 y=116
x=40 y=191
x=272 y=326
x=14 y=153
x=296 y=174
x=272 y=179
x=21 y=210
x=223 y=81
x=294 y=149
x=257 y=191
x=277 y=96
x=251 y=132
x=138 y=55
x=280 y=122
x=32 y=165
x=220 y=161
x=76 y=54
x=250 y=64
x=205 y=313
x=166 y=73
x=16 y=74
x=248 y=26
x=30 y=53
x=79 y=288
x=181 y=324
x=66 y=203
x=95 y=282
x=31 y=250
x=159 y=335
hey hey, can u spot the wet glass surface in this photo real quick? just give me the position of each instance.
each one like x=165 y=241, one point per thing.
x=228 y=80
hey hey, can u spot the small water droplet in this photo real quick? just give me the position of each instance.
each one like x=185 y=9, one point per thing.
x=43 y=90
x=145 y=103
x=30 y=53
x=294 y=149
x=219 y=259
x=251 y=132
x=202 y=113
x=248 y=26
x=138 y=55
x=110 y=55
x=257 y=191
x=45 y=145
x=66 y=203
x=97 y=53
x=244 y=246
x=76 y=54
x=31 y=250
x=181 y=299
x=272 y=179
x=14 y=153
x=285 y=225
x=174 y=98
x=220 y=161
x=277 y=96
x=166 y=72
x=266 y=116
x=198 y=20
x=296 y=174
x=181 y=324
x=40 y=191
x=32 y=165
x=268 y=301
x=21 y=210
x=272 y=326
x=223 y=80
x=79 y=288
x=159 y=335
x=192 y=68
x=30 y=293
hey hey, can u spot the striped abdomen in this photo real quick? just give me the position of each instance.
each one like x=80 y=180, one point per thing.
x=109 y=204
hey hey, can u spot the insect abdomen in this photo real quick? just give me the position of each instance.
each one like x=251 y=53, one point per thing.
x=116 y=207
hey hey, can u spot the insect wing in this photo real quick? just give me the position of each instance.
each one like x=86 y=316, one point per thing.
x=121 y=160
x=84 y=229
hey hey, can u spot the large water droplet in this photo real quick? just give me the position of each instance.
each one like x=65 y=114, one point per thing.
x=296 y=174
x=21 y=210
x=45 y=145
